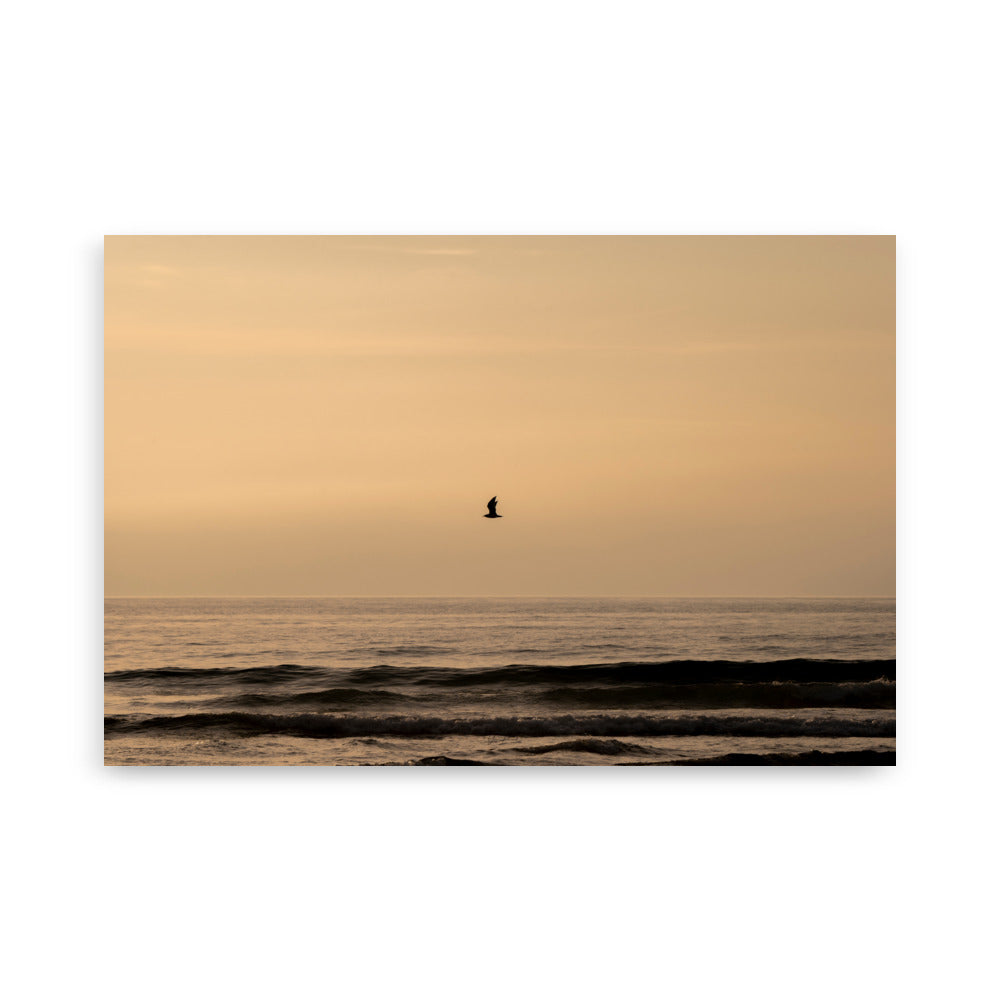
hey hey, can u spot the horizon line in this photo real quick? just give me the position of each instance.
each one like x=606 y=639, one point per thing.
x=748 y=597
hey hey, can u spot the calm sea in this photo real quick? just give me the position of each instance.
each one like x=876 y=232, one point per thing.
x=526 y=681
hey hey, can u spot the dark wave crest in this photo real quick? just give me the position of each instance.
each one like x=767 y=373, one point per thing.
x=280 y=674
x=612 y=686
x=345 y=697
x=336 y=726
x=880 y=693
x=664 y=671
x=604 y=748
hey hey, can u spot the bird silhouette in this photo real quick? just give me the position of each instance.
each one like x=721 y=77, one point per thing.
x=492 y=508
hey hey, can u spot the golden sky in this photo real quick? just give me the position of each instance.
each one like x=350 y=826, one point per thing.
x=658 y=415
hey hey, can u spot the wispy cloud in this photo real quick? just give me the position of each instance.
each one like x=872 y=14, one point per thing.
x=451 y=252
x=428 y=251
x=399 y=247
x=154 y=275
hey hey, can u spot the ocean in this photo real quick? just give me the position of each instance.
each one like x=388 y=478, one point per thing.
x=509 y=681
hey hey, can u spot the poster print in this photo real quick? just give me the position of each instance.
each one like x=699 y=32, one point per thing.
x=500 y=500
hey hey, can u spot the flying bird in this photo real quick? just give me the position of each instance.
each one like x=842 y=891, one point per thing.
x=492 y=508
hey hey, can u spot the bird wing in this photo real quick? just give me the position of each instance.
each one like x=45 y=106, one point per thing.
x=492 y=506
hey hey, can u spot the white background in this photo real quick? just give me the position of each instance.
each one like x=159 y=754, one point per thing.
x=431 y=117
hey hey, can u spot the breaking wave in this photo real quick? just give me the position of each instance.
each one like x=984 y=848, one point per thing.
x=627 y=672
x=880 y=693
x=179 y=676
x=321 y=726
x=605 y=748
x=630 y=685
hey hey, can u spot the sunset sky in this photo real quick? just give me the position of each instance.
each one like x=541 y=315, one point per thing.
x=657 y=415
